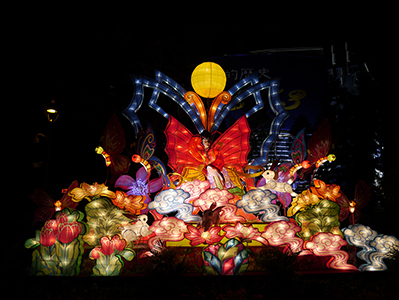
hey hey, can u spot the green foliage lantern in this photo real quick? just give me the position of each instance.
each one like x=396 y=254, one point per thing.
x=103 y=219
x=321 y=217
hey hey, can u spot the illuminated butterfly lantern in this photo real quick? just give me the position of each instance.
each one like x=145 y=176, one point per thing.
x=208 y=81
x=113 y=142
x=352 y=208
x=47 y=206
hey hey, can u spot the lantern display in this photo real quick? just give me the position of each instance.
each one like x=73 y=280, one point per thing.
x=215 y=205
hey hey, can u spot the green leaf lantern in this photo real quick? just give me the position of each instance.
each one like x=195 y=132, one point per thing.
x=321 y=217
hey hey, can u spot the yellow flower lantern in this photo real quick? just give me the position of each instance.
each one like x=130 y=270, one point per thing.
x=208 y=80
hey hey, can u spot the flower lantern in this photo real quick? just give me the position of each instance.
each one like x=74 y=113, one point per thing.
x=109 y=255
x=208 y=80
x=58 y=246
x=230 y=258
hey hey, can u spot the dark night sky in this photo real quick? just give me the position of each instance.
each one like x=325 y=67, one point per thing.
x=85 y=67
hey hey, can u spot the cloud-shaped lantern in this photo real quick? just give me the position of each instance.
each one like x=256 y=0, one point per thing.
x=172 y=200
x=257 y=201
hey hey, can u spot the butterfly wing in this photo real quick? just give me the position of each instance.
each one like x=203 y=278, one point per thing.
x=344 y=204
x=119 y=165
x=177 y=145
x=114 y=137
x=66 y=200
x=362 y=194
x=113 y=142
x=283 y=172
x=46 y=203
x=353 y=218
x=298 y=148
x=233 y=144
x=320 y=142
x=147 y=143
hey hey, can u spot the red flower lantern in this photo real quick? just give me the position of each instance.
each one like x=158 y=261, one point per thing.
x=62 y=218
x=67 y=232
x=52 y=224
x=107 y=246
x=47 y=237
x=119 y=243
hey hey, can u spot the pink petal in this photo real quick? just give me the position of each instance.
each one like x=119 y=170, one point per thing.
x=155 y=185
x=141 y=174
x=125 y=182
x=228 y=266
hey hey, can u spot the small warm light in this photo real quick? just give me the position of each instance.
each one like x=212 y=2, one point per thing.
x=206 y=235
x=99 y=150
x=57 y=205
x=136 y=158
x=352 y=205
x=305 y=164
x=51 y=112
x=331 y=157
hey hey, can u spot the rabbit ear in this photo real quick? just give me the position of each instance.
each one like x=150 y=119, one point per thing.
x=274 y=164
x=213 y=206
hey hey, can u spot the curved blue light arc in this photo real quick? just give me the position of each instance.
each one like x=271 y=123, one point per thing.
x=252 y=90
x=135 y=104
x=165 y=85
x=280 y=116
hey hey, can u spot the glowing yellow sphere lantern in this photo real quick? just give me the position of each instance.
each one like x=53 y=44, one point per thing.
x=208 y=80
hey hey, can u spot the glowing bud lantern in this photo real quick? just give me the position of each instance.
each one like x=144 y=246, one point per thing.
x=208 y=80
x=230 y=258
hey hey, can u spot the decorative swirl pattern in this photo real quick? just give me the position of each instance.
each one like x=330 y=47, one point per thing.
x=381 y=245
x=217 y=105
x=328 y=244
x=194 y=188
x=359 y=235
x=172 y=200
x=167 y=229
x=221 y=197
x=258 y=201
x=196 y=103
x=283 y=233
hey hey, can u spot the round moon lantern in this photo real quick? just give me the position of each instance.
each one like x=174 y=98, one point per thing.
x=208 y=80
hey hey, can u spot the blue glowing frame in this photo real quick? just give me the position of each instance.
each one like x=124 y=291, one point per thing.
x=239 y=92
